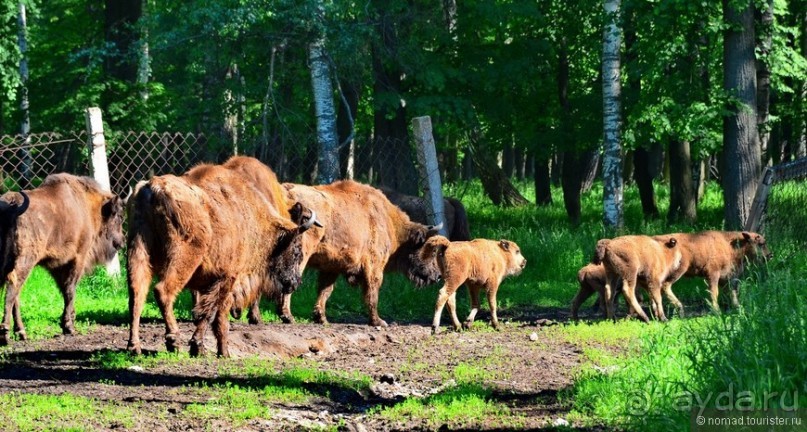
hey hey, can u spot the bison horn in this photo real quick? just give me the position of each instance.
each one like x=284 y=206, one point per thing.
x=311 y=221
x=25 y=202
x=437 y=227
x=129 y=195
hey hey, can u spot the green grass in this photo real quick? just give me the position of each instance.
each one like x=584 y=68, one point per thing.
x=29 y=412
x=633 y=374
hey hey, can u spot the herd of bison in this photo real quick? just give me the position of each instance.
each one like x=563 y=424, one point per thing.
x=231 y=233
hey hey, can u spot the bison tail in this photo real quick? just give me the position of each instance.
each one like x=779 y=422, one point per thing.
x=434 y=246
x=461 y=230
x=599 y=251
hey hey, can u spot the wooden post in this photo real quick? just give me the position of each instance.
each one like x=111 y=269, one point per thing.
x=98 y=165
x=429 y=171
x=760 y=200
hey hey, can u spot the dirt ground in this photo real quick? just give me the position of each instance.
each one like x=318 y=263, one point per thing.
x=525 y=371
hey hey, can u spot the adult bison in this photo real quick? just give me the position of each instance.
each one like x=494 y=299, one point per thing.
x=210 y=230
x=456 y=219
x=68 y=225
x=365 y=235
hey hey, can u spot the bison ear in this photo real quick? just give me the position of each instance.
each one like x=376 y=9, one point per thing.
x=504 y=244
x=672 y=242
x=747 y=235
x=296 y=213
x=112 y=207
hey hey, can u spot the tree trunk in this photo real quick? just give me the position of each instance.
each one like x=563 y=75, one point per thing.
x=345 y=119
x=25 y=126
x=543 y=193
x=611 y=90
x=763 y=48
x=120 y=32
x=741 y=152
x=572 y=182
x=644 y=181
x=529 y=165
x=683 y=196
x=508 y=158
x=519 y=159
x=496 y=185
x=144 y=58
x=588 y=170
x=800 y=144
x=229 y=128
x=556 y=168
x=394 y=163
x=328 y=147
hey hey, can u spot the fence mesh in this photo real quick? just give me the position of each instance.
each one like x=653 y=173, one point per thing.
x=781 y=207
x=135 y=156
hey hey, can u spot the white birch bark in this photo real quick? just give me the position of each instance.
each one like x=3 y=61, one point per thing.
x=25 y=126
x=328 y=165
x=611 y=92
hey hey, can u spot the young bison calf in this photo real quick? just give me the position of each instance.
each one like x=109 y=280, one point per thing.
x=479 y=264
x=638 y=258
x=592 y=281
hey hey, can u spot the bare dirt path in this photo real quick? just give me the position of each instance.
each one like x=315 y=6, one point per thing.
x=402 y=361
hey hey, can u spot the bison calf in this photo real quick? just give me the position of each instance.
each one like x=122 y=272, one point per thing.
x=718 y=256
x=478 y=263
x=68 y=225
x=634 y=259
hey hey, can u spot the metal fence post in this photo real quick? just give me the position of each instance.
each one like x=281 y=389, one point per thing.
x=98 y=165
x=429 y=171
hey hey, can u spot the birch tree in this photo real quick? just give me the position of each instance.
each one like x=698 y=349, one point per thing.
x=25 y=126
x=741 y=150
x=611 y=92
x=328 y=161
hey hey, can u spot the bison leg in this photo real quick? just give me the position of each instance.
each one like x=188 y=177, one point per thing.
x=221 y=322
x=371 y=285
x=655 y=298
x=19 y=328
x=139 y=274
x=284 y=308
x=714 y=291
x=67 y=277
x=325 y=283
x=254 y=314
x=583 y=294
x=15 y=280
x=473 y=290
x=452 y=309
x=174 y=279
x=629 y=291
x=608 y=295
x=442 y=298
x=494 y=318
x=673 y=299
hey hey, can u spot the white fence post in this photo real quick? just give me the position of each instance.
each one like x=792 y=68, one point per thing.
x=429 y=171
x=98 y=164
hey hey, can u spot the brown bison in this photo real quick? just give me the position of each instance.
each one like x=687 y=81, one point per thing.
x=211 y=230
x=68 y=225
x=717 y=256
x=456 y=219
x=591 y=279
x=365 y=235
x=634 y=259
x=478 y=263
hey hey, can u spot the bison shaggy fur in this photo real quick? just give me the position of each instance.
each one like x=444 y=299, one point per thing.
x=480 y=263
x=70 y=225
x=364 y=236
x=213 y=231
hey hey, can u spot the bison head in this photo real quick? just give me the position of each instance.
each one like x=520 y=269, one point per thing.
x=111 y=237
x=515 y=261
x=754 y=246
x=408 y=260
x=9 y=212
x=286 y=264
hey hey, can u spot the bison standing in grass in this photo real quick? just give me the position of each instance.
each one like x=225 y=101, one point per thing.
x=212 y=230
x=718 y=256
x=364 y=236
x=69 y=226
x=638 y=258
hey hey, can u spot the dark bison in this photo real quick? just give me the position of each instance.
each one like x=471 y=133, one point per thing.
x=415 y=207
x=365 y=235
x=67 y=225
x=210 y=230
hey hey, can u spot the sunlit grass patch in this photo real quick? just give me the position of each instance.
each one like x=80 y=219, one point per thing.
x=26 y=412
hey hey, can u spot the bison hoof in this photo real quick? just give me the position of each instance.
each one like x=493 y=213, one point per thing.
x=319 y=318
x=3 y=339
x=435 y=330
x=171 y=344
x=224 y=354
x=69 y=330
x=196 y=349
x=378 y=322
x=467 y=325
x=21 y=335
x=256 y=319
x=496 y=326
x=134 y=349
x=235 y=312
x=288 y=319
